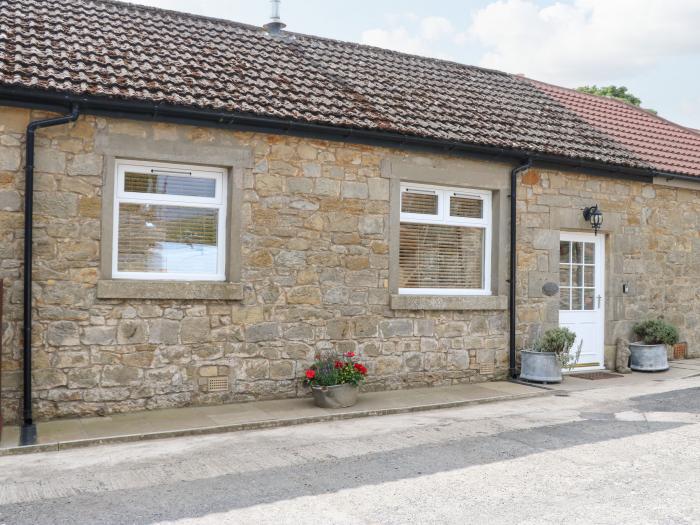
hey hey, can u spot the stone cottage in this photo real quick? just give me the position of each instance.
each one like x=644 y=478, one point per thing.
x=214 y=204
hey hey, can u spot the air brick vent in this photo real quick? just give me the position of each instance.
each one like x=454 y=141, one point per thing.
x=217 y=384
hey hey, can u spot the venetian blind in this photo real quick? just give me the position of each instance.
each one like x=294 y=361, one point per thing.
x=441 y=256
x=466 y=207
x=169 y=185
x=165 y=238
x=423 y=203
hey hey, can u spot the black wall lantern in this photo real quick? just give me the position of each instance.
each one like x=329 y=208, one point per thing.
x=593 y=215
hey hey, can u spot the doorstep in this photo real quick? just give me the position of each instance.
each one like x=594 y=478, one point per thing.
x=174 y=422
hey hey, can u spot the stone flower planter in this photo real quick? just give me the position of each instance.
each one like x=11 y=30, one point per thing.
x=336 y=396
x=540 y=367
x=648 y=358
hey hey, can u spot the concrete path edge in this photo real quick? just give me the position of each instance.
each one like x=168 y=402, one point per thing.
x=261 y=424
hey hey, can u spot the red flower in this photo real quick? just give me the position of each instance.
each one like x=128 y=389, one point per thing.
x=339 y=364
x=310 y=374
x=361 y=368
x=350 y=354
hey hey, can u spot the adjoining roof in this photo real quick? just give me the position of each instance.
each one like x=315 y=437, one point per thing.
x=128 y=52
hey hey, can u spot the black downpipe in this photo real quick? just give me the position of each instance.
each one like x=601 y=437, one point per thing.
x=28 y=429
x=513 y=264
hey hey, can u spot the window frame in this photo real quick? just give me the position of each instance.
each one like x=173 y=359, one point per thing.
x=443 y=217
x=218 y=202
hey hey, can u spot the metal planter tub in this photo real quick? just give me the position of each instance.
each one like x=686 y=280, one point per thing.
x=648 y=358
x=540 y=367
x=336 y=396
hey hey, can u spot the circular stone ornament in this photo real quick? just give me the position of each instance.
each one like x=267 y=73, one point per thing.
x=550 y=289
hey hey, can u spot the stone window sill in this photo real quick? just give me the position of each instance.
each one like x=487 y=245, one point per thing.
x=127 y=289
x=449 y=302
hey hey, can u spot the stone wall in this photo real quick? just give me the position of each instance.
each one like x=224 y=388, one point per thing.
x=315 y=221
x=652 y=236
x=314 y=269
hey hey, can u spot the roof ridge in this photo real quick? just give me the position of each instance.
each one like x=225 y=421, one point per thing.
x=180 y=14
x=617 y=101
x=260 y=29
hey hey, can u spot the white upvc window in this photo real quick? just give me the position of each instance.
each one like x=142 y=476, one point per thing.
x=445 y=241
x=169 y=222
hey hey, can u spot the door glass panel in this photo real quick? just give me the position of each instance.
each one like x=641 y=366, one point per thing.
x=576 y=296
x=565 y=298
x=564 y=252
x=577 y=275
x=577 y=252
x=564 y=275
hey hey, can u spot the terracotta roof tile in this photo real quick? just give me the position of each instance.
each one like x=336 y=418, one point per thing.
x=113 y=49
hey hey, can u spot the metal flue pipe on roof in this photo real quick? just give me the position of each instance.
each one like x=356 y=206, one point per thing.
x=275 y=25
x=28 y=429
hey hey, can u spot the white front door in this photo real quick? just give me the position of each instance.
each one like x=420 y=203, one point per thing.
x=582 y=294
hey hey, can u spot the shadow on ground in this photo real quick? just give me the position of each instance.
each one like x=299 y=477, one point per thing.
x=192 y=499
x=687 y=400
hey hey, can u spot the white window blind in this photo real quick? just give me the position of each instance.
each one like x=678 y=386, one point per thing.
x=169 y=222
x=445 y=239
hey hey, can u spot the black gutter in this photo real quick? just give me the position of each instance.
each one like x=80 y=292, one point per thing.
x=512 y=281
x=116 y=108
x=28 y=429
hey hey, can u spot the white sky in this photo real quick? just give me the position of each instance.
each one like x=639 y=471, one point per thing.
x=650 y=46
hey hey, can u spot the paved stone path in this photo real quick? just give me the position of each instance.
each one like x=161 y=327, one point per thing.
x=610 y=455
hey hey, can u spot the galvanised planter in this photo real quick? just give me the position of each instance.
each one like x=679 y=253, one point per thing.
x=336 y=396
x=540 y=367
x=648 y=358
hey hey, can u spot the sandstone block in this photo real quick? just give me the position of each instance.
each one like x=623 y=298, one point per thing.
x=118 y=375
x=10 y=200
x=163 y=331
x=195 y=329
x=262 y=332
x=99 y=335
x=304 y=295
x=396 y=328
x=84 y=377
x=63 y=333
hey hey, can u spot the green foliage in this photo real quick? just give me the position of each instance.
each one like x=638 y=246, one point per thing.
x=560 y=341
x=557 y=340
x=656 y=332
x=331 y=370
x=618 y=92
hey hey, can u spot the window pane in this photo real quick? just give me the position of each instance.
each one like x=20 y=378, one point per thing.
x=588 y=299
x=423 y=203
x=173 y=239
x=564 y=251
x=564 y=275
x=577 y=275
x=169 y=185
x=466 y=207
x=436 y=256
x=576 y=296
x=589 y=276
x=589 y=257
x=565 y=298
x=576 y=252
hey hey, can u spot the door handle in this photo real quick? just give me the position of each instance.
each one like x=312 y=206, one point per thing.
x=599 y=298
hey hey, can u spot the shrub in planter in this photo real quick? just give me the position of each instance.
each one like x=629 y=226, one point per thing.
x=550 y=353
x=335 y=380
x=649 y=354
